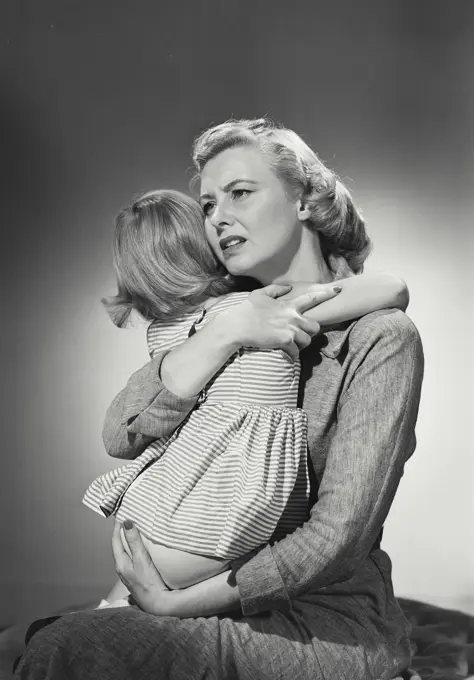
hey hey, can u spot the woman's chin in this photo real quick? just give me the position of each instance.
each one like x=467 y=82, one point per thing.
x=237 y=266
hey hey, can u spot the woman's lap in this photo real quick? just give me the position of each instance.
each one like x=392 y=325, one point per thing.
x=313 y=642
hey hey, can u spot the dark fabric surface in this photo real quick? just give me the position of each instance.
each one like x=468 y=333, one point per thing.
x=443 y=640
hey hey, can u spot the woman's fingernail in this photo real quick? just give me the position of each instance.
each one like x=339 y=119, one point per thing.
x=337 y=289
x=128 y=524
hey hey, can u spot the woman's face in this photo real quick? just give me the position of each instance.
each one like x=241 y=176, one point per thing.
x=253 y=227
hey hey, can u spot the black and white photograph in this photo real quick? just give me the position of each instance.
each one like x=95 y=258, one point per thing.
x=237 y=346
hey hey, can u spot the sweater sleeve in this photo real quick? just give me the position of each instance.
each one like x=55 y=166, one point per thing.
x=374 y=436
x=143 y=411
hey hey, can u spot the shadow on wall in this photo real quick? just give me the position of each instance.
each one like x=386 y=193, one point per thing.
x=32 y=161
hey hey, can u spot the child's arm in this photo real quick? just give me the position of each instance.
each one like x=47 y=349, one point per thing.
x=360 y=295
x=188 y=368
x=260 y=321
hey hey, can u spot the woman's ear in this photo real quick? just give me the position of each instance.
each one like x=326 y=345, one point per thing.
x=304 y=212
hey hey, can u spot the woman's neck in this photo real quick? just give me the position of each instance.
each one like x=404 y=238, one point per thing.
x=308 y=264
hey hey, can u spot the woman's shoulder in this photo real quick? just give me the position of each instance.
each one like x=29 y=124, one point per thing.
x=386 y=322
x=385 y=327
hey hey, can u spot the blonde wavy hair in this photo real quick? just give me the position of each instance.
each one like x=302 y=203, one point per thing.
x=163 y=263
x=334 y=215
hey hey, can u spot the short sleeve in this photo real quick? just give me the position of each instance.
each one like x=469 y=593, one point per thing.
x=165 y=336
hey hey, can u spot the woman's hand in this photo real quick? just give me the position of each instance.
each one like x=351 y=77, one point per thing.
x=137 y=571
x=267 y=322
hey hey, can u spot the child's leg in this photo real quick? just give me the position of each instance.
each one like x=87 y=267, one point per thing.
x=118 y=597
x=180 y=569
x=105 y=604
x=118 y=592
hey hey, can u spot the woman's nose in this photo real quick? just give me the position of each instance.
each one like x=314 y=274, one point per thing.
x=220 y=218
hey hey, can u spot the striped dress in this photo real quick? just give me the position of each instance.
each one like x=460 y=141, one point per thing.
x=234 y=473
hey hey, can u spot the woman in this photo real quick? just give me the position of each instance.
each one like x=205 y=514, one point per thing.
x=319 y=603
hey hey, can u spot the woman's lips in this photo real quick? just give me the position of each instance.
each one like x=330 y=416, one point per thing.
x=231 y=244
x=233 y=249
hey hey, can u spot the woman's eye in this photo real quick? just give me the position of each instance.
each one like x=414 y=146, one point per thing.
x=240 y=193
x=207 y=207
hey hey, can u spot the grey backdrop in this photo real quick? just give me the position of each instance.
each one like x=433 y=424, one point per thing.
x=102 y=99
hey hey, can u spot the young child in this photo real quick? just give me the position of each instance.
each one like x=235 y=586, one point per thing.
x=233 y=475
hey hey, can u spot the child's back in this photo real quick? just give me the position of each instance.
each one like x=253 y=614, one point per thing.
x=234 y=470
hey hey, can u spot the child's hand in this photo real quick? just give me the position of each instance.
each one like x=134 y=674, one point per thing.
x=267 y=321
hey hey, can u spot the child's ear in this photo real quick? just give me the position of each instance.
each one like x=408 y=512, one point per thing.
x=304 y=212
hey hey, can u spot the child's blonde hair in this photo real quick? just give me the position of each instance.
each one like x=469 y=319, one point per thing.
x=163 y=262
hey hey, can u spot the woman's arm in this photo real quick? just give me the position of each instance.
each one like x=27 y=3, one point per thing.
x=140 y=577
x=360 y=295
x=142 y=412
x=373 y=439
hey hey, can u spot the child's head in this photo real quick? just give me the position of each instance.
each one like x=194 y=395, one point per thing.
x=162 y=260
